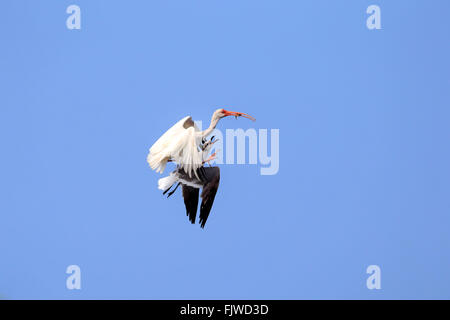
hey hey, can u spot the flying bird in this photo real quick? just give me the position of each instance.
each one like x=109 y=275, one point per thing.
x=186 y=145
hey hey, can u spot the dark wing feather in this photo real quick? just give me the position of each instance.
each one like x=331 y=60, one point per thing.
x=188 y=123
x=209 y=193
x=190 y=196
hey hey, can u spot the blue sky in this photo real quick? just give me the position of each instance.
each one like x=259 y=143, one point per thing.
x=364 y=149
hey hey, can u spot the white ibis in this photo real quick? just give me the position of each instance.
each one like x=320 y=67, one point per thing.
x=185 y=145
x=181 y=143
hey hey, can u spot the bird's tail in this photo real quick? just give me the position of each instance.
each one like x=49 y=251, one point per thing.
x=167 y=182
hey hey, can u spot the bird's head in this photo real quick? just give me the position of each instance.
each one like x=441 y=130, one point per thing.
x=222 y=113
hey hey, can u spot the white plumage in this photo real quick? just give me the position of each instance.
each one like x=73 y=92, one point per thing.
x=167 y=182
x=178 y=144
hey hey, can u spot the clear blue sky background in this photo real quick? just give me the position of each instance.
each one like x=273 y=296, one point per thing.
x=364 y=149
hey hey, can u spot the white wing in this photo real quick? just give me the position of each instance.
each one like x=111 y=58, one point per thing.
x=180 y=144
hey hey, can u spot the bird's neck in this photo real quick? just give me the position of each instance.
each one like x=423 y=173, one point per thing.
x=211 y=128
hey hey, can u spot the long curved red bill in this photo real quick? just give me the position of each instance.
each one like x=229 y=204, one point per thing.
x=238 y=114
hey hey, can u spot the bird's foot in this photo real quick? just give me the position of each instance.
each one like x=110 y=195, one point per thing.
x=211 y=158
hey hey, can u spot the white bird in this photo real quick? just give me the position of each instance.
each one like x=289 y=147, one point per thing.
x=182 y=142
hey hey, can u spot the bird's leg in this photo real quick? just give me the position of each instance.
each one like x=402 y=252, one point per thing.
x=167 y=190
x=211 y=158
x=173 y=191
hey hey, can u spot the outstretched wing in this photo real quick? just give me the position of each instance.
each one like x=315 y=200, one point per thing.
x=212 y=176
x=179 y=144
x=190 y=196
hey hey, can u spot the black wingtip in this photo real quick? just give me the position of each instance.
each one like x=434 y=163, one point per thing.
x=191 y=217
x=191 y=196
